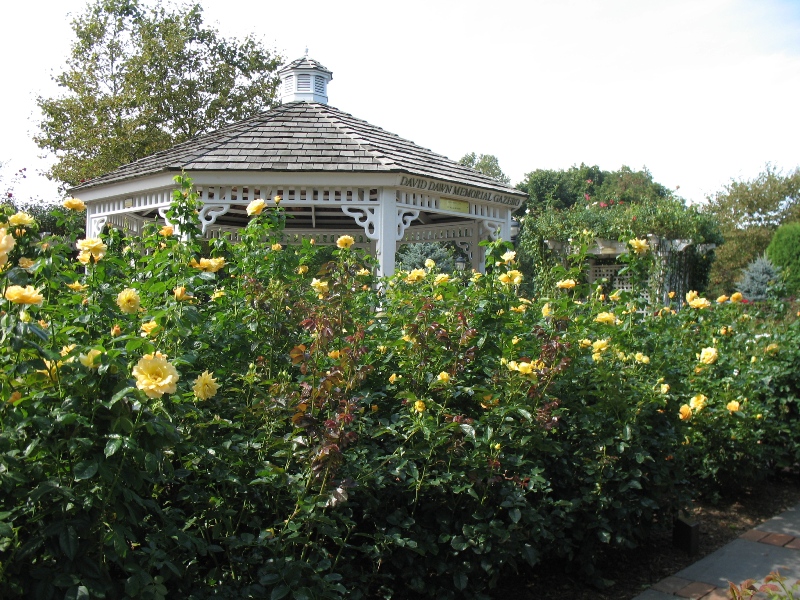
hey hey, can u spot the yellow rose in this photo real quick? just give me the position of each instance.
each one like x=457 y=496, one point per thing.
x=585 y=343
x=691 y=295
x=664 y=388
x=50 y=369
x=771 y=349
x=77 y=286
x=509 y=257
x=606 y=318
x=116 y=331
x=26 y=263
x=546 y=310
x=639 y=246
x=736 y=297
x=345 y=241
x=615 y=296
x=419 y=406
x=155 y=376
x=685 y=412
x=212 y=265
x=363 y=272
x=218 y=293
x=733 y=406
x=642 y=358
x=475 y=276
x=600 y=345
x=321 y=287
x=93 y=247
x=671 y=294
x=335 y=354
x=444 y=377
x=23 y=295
x=525 y=368
x=255 y=207
x=708 y=356
x=722 y=299
x=441 y=278
x=73 y=204
x=205 y=386
x=415 y=276
x=597 y=357
x=181 y=295
x=394 y=377
x=88 y=360
x=128 y=301
x=519 y=309
x=277 y=199
x=302 y=269
x=566 y=284
x=166 y=231
x=698 y=402
x=149 y=328
x=21 y=218
x=7 y=241
x=699 y=303
x=276 y=247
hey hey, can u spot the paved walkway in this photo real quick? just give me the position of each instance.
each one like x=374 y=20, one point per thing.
x=772 y=546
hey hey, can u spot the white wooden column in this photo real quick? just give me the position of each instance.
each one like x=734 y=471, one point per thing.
x=505 y=229
x=386 y=232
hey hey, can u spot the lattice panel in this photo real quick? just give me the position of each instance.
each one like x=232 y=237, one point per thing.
x=610 y=272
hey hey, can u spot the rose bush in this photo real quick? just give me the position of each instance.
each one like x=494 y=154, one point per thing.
x=286 y=426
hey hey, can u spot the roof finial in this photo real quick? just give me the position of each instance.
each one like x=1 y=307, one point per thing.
x=306 y=51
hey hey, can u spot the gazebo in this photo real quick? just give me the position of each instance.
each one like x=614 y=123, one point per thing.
x=336 y=174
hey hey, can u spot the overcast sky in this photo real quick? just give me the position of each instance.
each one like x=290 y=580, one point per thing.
x=698 y=91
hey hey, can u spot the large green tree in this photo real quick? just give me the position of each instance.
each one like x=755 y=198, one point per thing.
x=140 y=79
x=749 y=212
x=486 y=164
x=559 y=189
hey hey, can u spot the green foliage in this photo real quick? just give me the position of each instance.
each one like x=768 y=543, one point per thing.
x=563 y=189
x=616 y=205
x=140 y=80
x=421 y=438
x=759 y=279
x=46 y=214
x=748 y=213
x=784 y=252
x=413 y=256
x=486 y=164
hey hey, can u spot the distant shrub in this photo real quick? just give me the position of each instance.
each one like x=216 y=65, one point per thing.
x=758 y=279
x=784 y=252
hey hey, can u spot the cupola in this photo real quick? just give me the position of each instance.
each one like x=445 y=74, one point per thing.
x=304 y=80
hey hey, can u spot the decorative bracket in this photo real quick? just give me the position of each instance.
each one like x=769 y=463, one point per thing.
x=465 y=246
x=404 y=219
x=491 y=229
x=97 y=225
x=210 y=212
x=365 y=217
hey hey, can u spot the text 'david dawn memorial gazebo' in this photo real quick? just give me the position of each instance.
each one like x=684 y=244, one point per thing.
x=336 y=174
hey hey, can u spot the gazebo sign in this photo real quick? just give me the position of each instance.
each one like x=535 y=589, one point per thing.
x=461 y=206
x=337 y=175
x=440 y=187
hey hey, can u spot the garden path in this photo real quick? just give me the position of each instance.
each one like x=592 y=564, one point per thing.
x=772 y=546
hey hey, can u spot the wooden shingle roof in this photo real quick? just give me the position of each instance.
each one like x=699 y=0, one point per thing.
x=302 y=137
